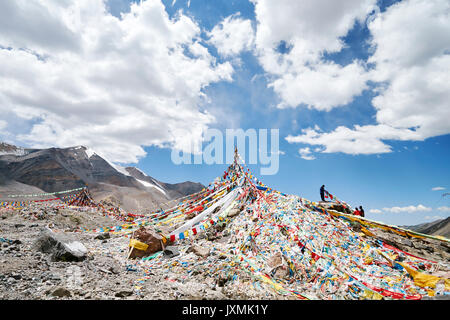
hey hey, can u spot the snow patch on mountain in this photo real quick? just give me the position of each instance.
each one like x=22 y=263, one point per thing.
x=119 y=168
x=10 y=149
x=123 y=170
x=89 y=152
x=141 y=171
x=156 y=182
x=149 y=185
x=14 y=153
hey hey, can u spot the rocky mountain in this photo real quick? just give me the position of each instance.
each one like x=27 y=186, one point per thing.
x=174 y=191
x=6 y=148
x=439 y=227
x=57 y=169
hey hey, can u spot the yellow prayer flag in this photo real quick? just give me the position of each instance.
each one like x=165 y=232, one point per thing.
x=425 y=280
x=138 y=245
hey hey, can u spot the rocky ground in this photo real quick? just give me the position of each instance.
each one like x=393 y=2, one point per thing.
x=105 y=273
x=431 y=249
x=27 y=273
x=428 y=248
x=200 y=269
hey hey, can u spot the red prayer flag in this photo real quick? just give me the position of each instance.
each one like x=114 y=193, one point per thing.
x=414 y=297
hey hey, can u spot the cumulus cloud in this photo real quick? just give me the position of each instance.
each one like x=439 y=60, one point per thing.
x=360 y=140
x=408 y=209
x=411 y=61
x=83 y=76
x=38 y=25
x=308 y=30
x=232 y=35
x=305 y=153
x=306 y=85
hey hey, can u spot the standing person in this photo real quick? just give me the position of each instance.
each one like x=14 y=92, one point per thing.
x=361 y=210
x=322 y=192
x=356 y=212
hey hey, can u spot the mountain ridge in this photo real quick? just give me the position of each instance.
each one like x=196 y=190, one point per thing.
x=440 y=227
x=55 y=169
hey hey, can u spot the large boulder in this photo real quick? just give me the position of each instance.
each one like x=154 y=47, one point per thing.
x=275 y=260
x=233 y=212
x=61 y=247
x=199 y=251
x=171 y=251
x=151 y=239
x=61 y=292
x=334 y=206
x=103 y=236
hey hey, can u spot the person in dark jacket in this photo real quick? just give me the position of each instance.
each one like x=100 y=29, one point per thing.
x=356 y=212
x=322 y=192
x=361 y=210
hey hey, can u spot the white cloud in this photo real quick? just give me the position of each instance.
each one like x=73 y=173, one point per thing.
x=437 y=188
x=409 y=209
x=83 y=76
x=308 y=29
x=316 y=26
x=3 y=125
x=305 y=153
x=306 y=85
x=412 y=63
x=360 y=140
x=39 y=25
x=232 y=35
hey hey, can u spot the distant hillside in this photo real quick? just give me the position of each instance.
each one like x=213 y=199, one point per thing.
x=174 y=190
x=55 y=169
x=439 y=227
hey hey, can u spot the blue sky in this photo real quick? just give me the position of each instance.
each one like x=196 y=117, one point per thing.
x=401 y=178
x=360 y=97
